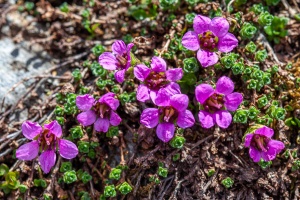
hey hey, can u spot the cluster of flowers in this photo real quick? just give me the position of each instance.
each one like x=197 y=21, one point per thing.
x=158 y=84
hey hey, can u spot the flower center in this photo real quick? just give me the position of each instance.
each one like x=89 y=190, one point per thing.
x=168 y=114
x=208 y=41
x=122 y=60
x=214 y=103
x=156 y=80
x=47 y=139
x=260 y=142
x=102 y=109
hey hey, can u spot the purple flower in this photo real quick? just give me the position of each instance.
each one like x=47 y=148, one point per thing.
x=209 y=36
x=100 y=113
x=165 y=117
x=46 y=139
x=118 y=60
x=158 y=82
x=217 y=102
x=261 y=145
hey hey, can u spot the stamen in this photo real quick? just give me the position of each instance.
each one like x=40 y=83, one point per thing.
x=259 y=140
x=122 y=60
x=169 y=112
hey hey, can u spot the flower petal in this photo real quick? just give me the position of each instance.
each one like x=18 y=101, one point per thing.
x=129 y=46
x=162 y=98
x=190 y=41
x=101 y=125
x=31 y=129
x=158 y=64
x=179 y=101
x=277 y=145
x=224 y=85
x=165 y=131
x=142 y=93
x=141 y=72
x=203 y=92
x=185 y=119
x=47 y=160
x=120 y=75
x=172 y=89
x=110 y=100
x=150 y=117
x=207 y=58
x=85 y=102
x=219 y=26
x=233 y=100
x=223 y=118
x=269 y=155
x=206 y=119
x=153 y=95
x=201 y=24
x=227 y=43
x=248 y=139
x=265 y=131
x=174 y=74
x=254 y=154
x=87 y=118
x=54 y=128
x=119 y=47
x=108 y=61
x=115 y=119
x=67 y=149
x=28 y=151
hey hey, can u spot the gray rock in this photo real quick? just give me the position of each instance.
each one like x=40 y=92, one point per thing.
x=17 y=63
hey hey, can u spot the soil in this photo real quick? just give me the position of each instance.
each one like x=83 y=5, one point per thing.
x=64 y=37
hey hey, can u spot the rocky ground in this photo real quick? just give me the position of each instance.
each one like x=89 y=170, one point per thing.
x=45 y=44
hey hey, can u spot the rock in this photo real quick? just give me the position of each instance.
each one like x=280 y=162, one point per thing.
x=17 y=63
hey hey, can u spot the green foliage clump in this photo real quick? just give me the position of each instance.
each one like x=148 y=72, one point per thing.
x=248 y=31
x=65 y=166
x=110 y=191
x=124 y=188
x=84 y=176
x=177 y=142
x=276 y=29
x=162 y=171
x=227 y=182
x=76 y=132
x=251 y=47
x=70 y=177
x=115 y=174
x=39 y=183
x=64 y=7
x=265 y=19
x=241 y=116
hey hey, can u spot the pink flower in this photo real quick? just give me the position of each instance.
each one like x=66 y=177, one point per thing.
x=47 y=138
x=158 y=82
x=100 y=113
x=209 y=36
x=118 y=60
x=217 y=102
x=165 y=117
x=261 y=145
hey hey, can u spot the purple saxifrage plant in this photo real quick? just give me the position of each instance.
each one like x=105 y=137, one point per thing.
x=166 y=116
x=209 y=36
x=217 y=102
x=158 y=82
x=46 y=139
x=118 y=60
x=261 y=145
x=101 y=113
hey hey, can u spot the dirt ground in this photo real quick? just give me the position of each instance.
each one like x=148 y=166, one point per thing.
x=195 y=171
